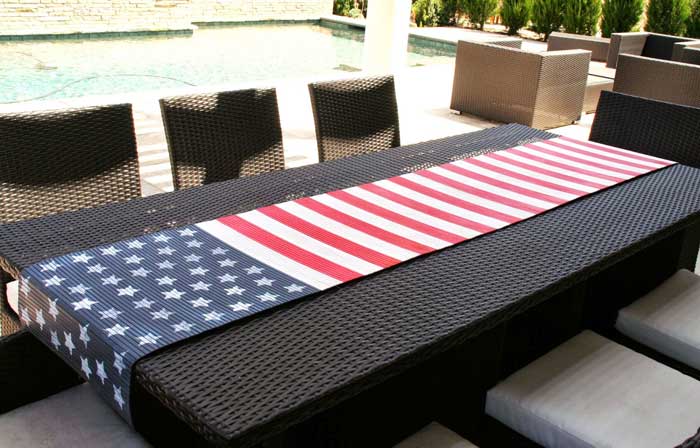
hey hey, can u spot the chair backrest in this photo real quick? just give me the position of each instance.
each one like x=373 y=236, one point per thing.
x=691 y=55
x=355 y=116
x=62 y=160
x=661 y=46
x=647 y=126
x=224 y=135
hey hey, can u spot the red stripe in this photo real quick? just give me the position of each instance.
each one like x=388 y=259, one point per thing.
x=505 y=185
x=537 y=169
x=329 y=238
x=397 y=218
x=369 y=229
x=444 y=197
x=563 y=165
x=479 y=192
x=585 y=162
x=288 y=249
x=523 y=177
x=441 y=214
x=622 y=152
x=598 y=156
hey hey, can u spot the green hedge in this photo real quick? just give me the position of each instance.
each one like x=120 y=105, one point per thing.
x=515 y=14
x=667 y=16
x=480 y=10
x=547 y=16
x=581 y=16
x=693 y=23
x=426 y=12
x=621 y=16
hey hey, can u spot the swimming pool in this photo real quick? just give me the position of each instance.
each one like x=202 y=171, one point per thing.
x=66 y=68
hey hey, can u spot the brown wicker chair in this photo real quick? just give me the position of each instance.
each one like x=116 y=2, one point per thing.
x=673 y=82
x=224 y=135
x=355 y=116
x=541 y=90
x=598 y=46
x=651 y=45
x=651 y=127
x=56 y=161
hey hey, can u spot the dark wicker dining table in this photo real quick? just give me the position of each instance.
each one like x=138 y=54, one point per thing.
x=247 y=382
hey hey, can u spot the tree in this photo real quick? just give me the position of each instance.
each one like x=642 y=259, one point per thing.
x=693 y=22
x=581 y=16
x=516 y=14
x=547 y=16
x=480 y=10
x=621 y=16
x=426 y=12
x=667 y=16
x=448 y=12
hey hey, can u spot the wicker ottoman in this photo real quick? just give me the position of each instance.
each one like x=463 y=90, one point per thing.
x=595 y=85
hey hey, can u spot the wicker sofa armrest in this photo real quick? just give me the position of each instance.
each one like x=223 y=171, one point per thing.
x=29 y=371
x=598 y=46
x=673 y=82
x=691 y=55
x=627 y=43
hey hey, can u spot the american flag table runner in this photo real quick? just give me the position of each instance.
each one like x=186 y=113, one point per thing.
x=104 y=308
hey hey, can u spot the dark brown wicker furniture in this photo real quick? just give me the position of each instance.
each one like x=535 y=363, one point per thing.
x=223 y=135
x=258 y=378
x=355 y=116
x=670 y=81
x=598 y=46
x=651 y=127
x=56 y=161
x=691 y=55
x=650 y=45
x=542 y=90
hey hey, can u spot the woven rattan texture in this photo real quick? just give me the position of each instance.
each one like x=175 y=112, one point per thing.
x=298 y=360
x=651 y=127
x=224 y=135
x=691 y=55
x=598 y=46
x=355 y=116
x=542 y=90
x=64 y=160
x=669 y=81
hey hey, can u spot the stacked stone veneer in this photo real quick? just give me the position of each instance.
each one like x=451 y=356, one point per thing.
x=90 y=16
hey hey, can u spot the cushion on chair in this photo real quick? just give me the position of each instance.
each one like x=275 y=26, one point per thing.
x=592 y=392
x=668 y=319
x=435 y=435
x=12 y=295
x=74 y=418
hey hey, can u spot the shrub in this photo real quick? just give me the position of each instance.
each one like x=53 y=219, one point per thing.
x=581 y=16
x=355 y=13
x=343 y=7
x=693 y=23
x=547 y=16
x=621 y=16
x=448 y=12
x=667 y=16
x=516 y=14
x=480 y=10
x=426 y=12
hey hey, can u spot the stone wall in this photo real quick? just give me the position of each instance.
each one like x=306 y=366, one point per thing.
x=90 y=16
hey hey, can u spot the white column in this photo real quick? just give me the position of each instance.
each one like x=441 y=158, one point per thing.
x=386 y=35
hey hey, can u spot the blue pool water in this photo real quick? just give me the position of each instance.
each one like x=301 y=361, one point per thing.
x=70 y=68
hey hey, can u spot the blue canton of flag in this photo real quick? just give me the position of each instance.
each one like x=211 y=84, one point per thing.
x=103 y=309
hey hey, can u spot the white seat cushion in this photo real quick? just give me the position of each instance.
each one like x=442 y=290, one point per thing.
x=13 y=295
x=435 y=435
x=668 y=318
x=592 y=392
x=74 y=418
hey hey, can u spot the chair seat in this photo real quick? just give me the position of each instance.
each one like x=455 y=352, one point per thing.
x=74 y=418
x=592 y=392
x=12 y=290
x=435 y=435
x=666 y=319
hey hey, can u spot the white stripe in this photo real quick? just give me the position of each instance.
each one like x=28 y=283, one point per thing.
x=309 y=244
x=445 y=206
x=535 y=163
x=541 y=176
x=590 y=158
x=651 y=161
x=579 y=165
x=347 y=232
x=378 y=221
x=494 y=189
x=516 y=182
x=469 y=197
x=268 y=256
x=412 y=213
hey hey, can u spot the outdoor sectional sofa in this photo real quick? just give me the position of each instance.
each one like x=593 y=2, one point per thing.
x=598 y=46
x=650 y=45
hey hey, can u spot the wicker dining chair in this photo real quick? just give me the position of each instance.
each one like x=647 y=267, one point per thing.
x=651 y=127
x=62 y=160
x=224 y=135
x=355 y=116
